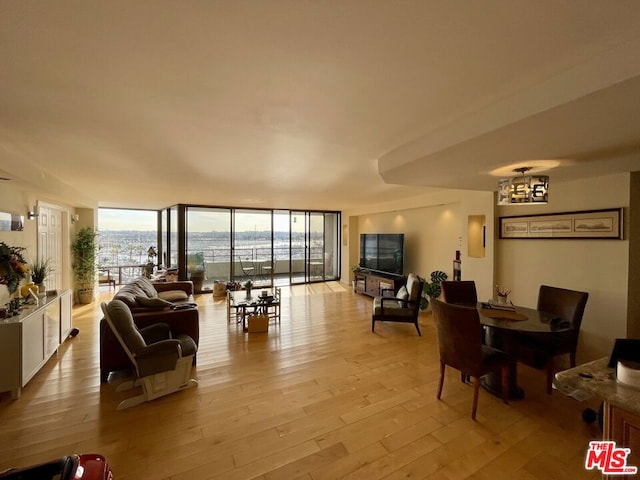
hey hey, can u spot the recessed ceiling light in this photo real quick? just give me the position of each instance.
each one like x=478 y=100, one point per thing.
x=533 y=167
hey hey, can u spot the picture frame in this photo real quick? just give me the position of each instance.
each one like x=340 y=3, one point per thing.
x=10 y=222
x=585 y=224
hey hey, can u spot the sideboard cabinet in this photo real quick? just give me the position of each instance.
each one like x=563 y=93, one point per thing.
x=372 y=284
x=28 y=340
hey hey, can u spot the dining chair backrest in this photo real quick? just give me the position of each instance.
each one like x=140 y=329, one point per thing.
x=459 y=335
x=567 y=304
x=460 y=292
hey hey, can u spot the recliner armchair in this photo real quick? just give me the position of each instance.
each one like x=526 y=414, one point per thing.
x=162 y=363
x=403 y=307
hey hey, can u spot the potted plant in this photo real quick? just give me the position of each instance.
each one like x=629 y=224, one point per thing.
x=195 y=265
x=83 y=250
x=355 y=269
x=40 y=270
x=432 y=289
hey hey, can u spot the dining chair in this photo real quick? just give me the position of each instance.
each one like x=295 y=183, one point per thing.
x=461 y=292
x=459 y=334
x=248 y=270
x=105 y=278
x=539 y=350
x=273 y=308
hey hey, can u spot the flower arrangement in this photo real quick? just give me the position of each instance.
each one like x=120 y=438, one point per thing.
x=40 y=270
x=13 y=266
x=502 y=292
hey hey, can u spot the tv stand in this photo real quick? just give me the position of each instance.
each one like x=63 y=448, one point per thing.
x=372 y=283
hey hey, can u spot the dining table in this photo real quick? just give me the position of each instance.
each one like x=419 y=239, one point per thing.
x=504 y=323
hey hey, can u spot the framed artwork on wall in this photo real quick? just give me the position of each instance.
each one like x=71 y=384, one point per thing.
x=587 y=224
x=10 y=222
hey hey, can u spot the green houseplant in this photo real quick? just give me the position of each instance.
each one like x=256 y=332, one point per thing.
x=40 y=270
x=432 y=289
x=83 y=250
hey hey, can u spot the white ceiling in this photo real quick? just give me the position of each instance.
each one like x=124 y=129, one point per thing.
x=330 y=104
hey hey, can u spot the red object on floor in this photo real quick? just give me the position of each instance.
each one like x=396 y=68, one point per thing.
x=88 y=466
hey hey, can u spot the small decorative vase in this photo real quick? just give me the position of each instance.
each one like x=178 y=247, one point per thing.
x=502 y=299
x=24 y=290
x=42 y=289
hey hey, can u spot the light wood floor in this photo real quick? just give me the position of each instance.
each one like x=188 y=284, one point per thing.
x=318 y=397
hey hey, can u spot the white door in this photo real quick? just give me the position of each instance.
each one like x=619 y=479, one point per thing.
x=50 y=243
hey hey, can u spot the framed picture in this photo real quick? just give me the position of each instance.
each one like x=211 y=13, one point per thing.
x=11 y=222
x=584 y=224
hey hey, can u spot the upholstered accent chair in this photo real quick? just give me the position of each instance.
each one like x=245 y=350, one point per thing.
x=541 y=350
x=162 y=364
x=460 y=346
x=403 y=307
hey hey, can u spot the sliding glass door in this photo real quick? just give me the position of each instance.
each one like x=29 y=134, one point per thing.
x=208 y=245
x=221 y=244
x=314 y=246
x=253 y=246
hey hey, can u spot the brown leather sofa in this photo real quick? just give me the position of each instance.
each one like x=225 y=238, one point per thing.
x=169 y=302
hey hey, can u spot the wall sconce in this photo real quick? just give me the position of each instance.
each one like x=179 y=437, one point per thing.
x=75 y=218
x=525 y=189
x=31 y=214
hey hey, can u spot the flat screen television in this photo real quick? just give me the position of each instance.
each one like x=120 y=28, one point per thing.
x=382 y=252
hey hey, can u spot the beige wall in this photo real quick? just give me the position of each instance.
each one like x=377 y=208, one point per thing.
x=16 y=199
x=596 y=266
x=435 y=226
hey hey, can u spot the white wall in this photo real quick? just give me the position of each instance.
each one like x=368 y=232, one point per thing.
x=599 y=267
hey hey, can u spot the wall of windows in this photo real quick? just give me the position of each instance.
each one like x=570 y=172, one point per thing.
x=208 y=244
x=124 y=239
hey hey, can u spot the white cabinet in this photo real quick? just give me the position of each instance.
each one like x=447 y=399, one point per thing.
x=32 y=346
x=28 y=340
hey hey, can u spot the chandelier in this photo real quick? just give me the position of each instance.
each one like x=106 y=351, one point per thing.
x=523 y=189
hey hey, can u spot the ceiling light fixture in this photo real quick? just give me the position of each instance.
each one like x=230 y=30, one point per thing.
x=523 y=189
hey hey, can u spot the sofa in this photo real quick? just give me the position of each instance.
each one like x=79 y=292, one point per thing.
x=150 y=303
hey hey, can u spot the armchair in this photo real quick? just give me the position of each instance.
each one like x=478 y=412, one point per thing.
x=403 y=307
x=162 y=364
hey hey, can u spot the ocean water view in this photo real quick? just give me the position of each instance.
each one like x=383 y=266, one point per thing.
x=126 y=250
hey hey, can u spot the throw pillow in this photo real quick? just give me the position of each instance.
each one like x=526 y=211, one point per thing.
x=402 y=294
x=158 y=303
x=173 y=295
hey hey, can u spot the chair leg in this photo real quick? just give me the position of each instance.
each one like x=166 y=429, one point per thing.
x=505 y=384
x=418 y=329
x=476 y=390
x=441 y=383
x=550 y=368
x=373 y=325
x=572 y=359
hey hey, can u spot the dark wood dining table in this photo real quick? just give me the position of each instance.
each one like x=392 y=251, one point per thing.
x=502 y=333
